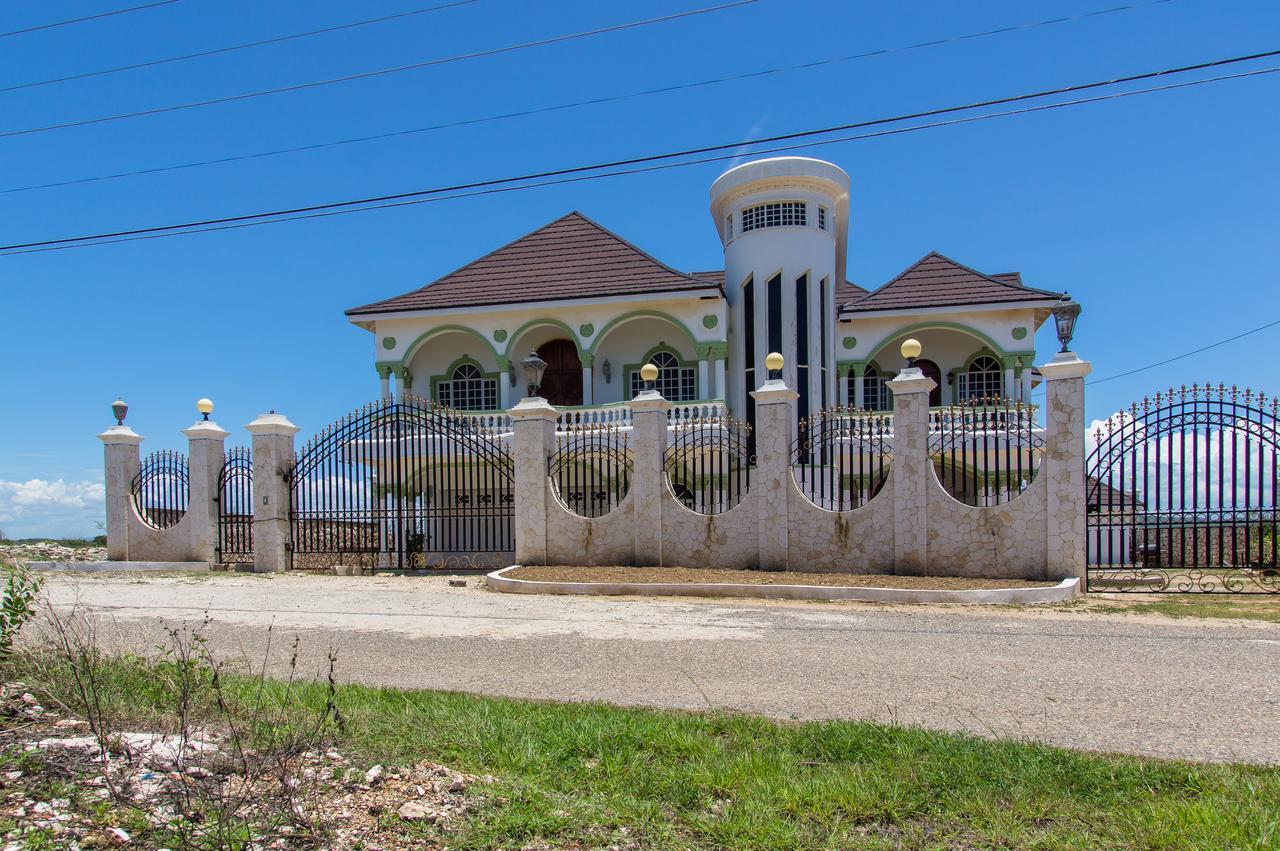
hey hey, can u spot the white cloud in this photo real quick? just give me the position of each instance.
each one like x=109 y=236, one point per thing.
x=39 y=508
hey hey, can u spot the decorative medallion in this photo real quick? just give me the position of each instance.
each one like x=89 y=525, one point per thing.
x=500 y=335
x=388 y=343
x=710 y=321
x=1019 y=333
x=849 y=342
x=586 y=329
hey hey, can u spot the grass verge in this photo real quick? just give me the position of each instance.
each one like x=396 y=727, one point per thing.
x=1261 y=607
x=590 y=775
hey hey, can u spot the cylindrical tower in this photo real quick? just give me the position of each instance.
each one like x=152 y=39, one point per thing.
x=784 y=226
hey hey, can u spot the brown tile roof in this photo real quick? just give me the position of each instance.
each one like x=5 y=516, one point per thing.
x=938 y=281
x=572 y=257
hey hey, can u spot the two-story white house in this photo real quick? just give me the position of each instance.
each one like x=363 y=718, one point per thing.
x=596 y=308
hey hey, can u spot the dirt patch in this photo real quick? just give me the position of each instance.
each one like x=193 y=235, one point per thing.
x=691 y=575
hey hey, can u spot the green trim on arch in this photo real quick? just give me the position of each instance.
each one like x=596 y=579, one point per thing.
x=640 y=314
x=627 y=369
x=939 y=325
x=444 y=329
x=984 y=352
x=538 y=323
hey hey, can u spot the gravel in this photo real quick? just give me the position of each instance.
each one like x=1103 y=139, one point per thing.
x=562 y=573
x=1139 y=684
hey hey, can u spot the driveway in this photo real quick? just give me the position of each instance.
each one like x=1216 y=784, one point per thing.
x=1145 y=685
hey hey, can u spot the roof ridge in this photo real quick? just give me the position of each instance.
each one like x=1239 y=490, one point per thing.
x=627 y=243
x=1018 y=287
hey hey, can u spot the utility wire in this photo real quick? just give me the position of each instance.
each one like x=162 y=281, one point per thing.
x=495 y=189
x=576 y=104
x=234 y=47
x=735 y=147
x=1186 y=354
x=380 y=72
x=87 y=18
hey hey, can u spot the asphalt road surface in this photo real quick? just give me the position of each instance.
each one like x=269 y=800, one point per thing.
x=1146 y=685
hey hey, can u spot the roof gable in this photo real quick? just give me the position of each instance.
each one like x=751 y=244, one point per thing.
x=572 y=257
x=938 y=281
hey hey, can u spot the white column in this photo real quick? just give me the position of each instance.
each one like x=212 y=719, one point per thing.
x=775 y=418
x=1063 y=465
x=1026 y=383
x=121 y=458
x=721 y=390
x=859 y=391
x=704 y=373
x=587 y=395
x=842 y=388
x=648 y=443
x=205 y=453
x=384 y=382
x=272 y=457
x=911 y=471
x=534 y=422
x=1007 y=388
x=504 y=383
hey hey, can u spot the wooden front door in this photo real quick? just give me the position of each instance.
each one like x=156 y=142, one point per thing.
x=930 y=369
x=562 y=381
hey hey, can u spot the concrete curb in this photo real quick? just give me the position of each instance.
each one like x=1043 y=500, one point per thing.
x=1067 y=589
x=118 y=566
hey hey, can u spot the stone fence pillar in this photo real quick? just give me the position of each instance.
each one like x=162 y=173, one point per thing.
x=205 y=452
x=272 y=459
x=775 y=403
x=121 y=463
x=533 y=420
x=910 y=471
x=648 y=445
x=1063 y=464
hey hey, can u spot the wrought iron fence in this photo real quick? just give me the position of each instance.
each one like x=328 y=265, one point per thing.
x=709 y=462
x=400 y=484
x=162 y=488
x=987 y=451
x=591 y=469
x=235 y=507
x=1181 y=494
x=841 y=457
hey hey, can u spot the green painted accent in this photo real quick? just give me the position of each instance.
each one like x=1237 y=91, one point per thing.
x=388 y=343
x=849 y=343
x=504 y=363
x=938 y=325
x=640 y=314
x=843 y=367
x=586 y=329
x=500 y=335
x=710 y=321
x=661 y=347
x=537 y=323
x=385 y=369
x=984 y=353
x=1019 y=333
x=587 y=360
x=444 y=329
x=448 y=373
x=711 y=351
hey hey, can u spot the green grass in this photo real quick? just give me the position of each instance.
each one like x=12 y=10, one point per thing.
x=595 y=775
x=1259 y=607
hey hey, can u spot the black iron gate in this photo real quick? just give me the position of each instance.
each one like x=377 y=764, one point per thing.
x=235 y=508
x=1181 y=494
x=403 y=484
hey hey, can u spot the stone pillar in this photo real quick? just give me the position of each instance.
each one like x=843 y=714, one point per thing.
x=588 y=394
x=1063 y=464
x=910 y=471
x=648 y=443
x=272 y=459
x=206 y=445
x=121 y=463
x=534 y=423
x=775 y=418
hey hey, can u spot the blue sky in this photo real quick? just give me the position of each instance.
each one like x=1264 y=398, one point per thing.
x=1158 y=212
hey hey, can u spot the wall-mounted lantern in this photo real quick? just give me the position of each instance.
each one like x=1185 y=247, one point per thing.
x=607 y=369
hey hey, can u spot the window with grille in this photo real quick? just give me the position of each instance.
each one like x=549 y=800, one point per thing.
x=875 y=390
x=983 y=380
x=822 y=218
x=728 y=227
x=468 y=390
x=676 y=383
x=772 y=215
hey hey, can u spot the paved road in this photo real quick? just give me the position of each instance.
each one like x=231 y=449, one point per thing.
x=1203 y=690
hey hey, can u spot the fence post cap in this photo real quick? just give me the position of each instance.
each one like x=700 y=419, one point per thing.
x=206 y=430
x=649 y=400
x=1065 y=365
x=774 y=390
x=120 y=434
x=533 y=408
x=911 y=380
x=272 y=423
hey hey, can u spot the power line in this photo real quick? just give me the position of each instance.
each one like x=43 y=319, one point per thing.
x=590 y=102
x=380 y=72
x=496 y=190
x=87 y=18
x=234 y=47
x=730 y=146
x=1186 y=354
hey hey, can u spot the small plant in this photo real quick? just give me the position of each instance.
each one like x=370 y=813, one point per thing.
x=18 y=604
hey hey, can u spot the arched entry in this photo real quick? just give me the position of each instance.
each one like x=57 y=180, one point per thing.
x=562 y=380
x=931 y=370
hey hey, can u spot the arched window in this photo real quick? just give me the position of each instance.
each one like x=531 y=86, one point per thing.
x=468 y=390
x=676 y=383
x=875 y=392
x=982 y=380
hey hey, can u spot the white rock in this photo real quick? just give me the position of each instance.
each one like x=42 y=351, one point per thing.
x=373 y=775
x=118 y=836
x=413 y=811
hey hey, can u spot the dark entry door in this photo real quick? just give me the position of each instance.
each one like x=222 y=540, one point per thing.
x=562 y=381
x=930 y=369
